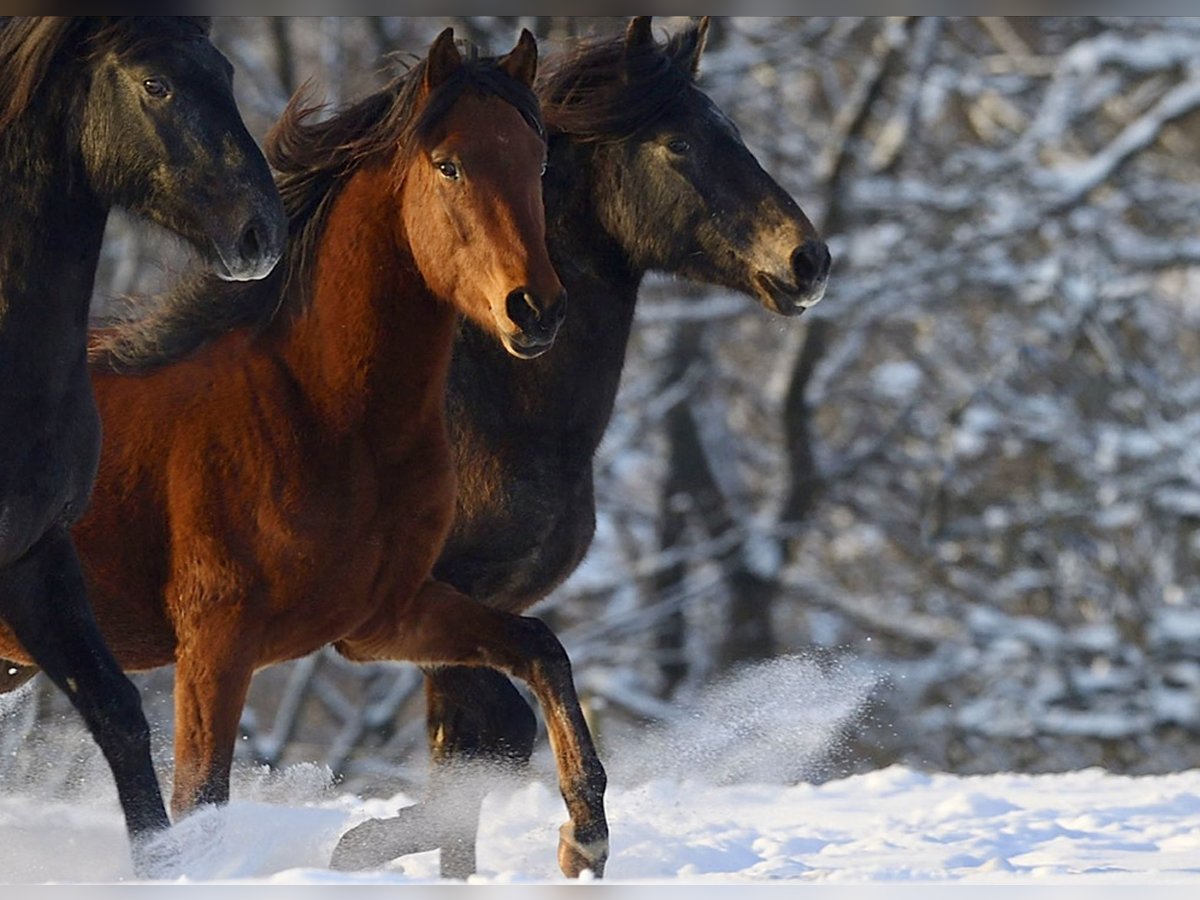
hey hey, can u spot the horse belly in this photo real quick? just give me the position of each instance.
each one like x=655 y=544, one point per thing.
x=125 y=571
x=336 y=599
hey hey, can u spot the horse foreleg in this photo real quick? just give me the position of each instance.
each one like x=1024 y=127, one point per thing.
x=440 y=626
x=44 y=601
x=213 y=668
x=477 y=714
x=472 y=715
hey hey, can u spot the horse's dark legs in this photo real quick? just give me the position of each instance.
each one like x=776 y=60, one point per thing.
x=44 y=601
x=474 y=716
x=441 y=626
x=477 y=714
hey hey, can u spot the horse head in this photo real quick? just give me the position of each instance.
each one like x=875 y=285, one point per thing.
x=161 y=136
x=471 y=195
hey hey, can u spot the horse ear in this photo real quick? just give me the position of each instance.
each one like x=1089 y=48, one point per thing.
x=690 y=47
x=443 y=61
x=638 y=33
x=522 y=61
x=701 y=42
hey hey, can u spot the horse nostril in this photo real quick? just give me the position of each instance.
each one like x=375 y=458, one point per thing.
x=810 y=263
x=250 y=245
x=539 y=320
x=523 y=307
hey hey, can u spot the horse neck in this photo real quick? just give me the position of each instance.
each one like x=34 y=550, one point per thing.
x=372 y=349
x=571 y=389
x=51 y=236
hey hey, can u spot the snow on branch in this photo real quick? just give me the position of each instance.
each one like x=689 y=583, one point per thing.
x=1069 y=184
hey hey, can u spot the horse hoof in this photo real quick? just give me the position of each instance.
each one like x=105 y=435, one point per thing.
x=365 y=846
x=157 y=856
x=576 y=857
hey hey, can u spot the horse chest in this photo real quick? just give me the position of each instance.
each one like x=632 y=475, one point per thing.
x=402 y=512
x=565 y=527
x=513 y=546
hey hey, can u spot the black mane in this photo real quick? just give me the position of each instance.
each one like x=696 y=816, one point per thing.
x=313 y=159
x=587 y=92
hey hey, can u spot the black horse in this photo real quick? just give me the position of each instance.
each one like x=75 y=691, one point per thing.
x=135 y=112
x=645 y=173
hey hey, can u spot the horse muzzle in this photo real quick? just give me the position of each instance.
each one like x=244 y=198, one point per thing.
x=537 y=322
x=250 y=246
x=803 y=286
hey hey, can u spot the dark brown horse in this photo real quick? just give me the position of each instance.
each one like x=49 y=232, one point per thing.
x=645 y=173
x=135 y=112
x=291 y=486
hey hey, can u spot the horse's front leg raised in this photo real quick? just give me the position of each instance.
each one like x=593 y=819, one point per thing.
x=440 y=626
x=474 y=716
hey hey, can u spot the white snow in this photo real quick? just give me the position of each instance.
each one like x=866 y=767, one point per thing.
x=897 y=379
x=892 y=825
x=713 y=798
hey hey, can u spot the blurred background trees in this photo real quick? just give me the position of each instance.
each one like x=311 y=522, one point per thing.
x=971 y=475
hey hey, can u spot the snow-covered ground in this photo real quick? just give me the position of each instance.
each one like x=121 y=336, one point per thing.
x=683 y=808
x=894 y=825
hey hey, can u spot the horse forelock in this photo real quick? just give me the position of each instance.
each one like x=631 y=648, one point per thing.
x=396 y=121
x=124 y=35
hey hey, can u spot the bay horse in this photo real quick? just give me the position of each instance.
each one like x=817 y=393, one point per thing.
x=94 y=112
x=290 y=485
x=645 y=173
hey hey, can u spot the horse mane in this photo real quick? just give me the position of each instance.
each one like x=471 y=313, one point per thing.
x=604 y=90
x=30 y=45
x=313 y=159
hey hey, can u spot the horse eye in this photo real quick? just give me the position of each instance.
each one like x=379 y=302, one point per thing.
x=157 y=87
x=447 y=168
x=545 y=165
x=678 y=145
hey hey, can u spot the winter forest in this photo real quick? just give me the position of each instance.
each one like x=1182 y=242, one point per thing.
x=960 y=497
